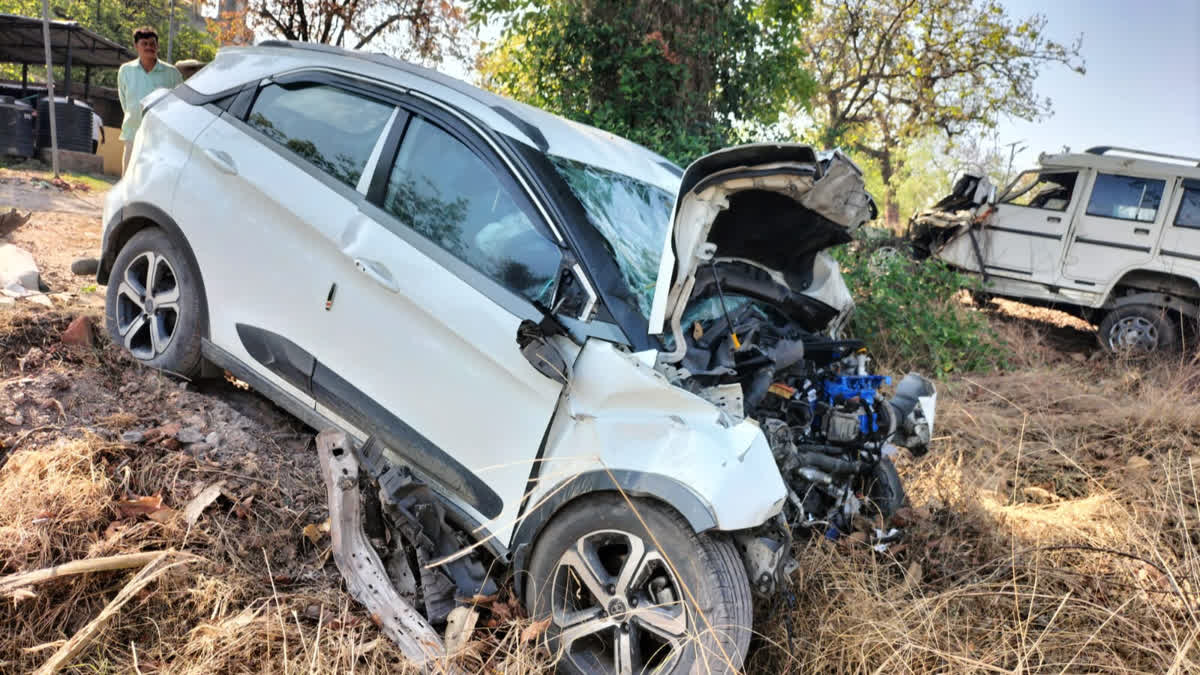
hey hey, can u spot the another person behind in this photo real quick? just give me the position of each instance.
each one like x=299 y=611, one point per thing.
x=97 y=132
x=138 y=78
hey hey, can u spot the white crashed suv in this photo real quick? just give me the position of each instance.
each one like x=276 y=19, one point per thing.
x=489 y=301
x=1111 y=234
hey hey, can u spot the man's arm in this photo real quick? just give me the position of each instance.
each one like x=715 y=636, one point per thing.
x=121 y=87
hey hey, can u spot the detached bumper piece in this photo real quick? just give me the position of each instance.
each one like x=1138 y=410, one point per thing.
x=356 y=559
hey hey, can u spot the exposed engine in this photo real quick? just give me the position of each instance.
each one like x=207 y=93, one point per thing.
x=829 y=424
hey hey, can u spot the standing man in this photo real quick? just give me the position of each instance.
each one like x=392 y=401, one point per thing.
x=138 y=78
x=97 y=132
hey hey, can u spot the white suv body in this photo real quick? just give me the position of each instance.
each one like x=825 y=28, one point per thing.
x=482 y=289
x=1099 y=231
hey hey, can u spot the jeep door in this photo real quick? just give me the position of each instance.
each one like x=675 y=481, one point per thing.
x=419 y=343
x=1181 y=237
x=1117 y=229
x=1024 y=236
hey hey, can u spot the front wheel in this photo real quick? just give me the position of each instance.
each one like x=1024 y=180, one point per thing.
x=635 y=590
x=1138 y=329
x=154 y=304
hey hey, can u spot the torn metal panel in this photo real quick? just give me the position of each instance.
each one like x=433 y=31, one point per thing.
x=365 y=576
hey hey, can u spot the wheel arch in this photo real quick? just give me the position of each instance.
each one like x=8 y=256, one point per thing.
x=635 y=484
x=1177 y=292
x=133 y=218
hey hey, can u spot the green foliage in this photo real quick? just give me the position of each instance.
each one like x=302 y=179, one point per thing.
x=675 y=76
x=116 y=20
x=910 y=316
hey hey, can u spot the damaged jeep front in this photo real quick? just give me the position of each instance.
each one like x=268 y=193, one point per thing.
x=753 y=307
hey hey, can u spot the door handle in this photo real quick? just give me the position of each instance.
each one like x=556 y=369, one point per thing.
x=1053 y=219
x=1141 y=230
x=378 y=272
x=221 y=160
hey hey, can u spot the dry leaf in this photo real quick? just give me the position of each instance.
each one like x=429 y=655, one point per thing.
x=162 y=515
x=207 y=496
x=534 y=630
x=314 y=532
x=114 y=528
x=138 y=506
x=460 y=624
x=242 y=510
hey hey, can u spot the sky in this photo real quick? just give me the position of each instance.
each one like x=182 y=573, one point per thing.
x=1142 y=87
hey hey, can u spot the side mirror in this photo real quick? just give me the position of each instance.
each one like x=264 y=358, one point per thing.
x=542 y=354
x=576 y=297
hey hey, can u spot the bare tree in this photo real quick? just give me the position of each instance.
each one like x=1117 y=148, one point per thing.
x=422 y=28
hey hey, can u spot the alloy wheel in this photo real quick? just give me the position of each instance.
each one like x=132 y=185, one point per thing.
x=616 y=606
x=1133 y=333
x=147 y=309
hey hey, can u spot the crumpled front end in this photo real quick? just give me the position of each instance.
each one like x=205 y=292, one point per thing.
x=931 y=230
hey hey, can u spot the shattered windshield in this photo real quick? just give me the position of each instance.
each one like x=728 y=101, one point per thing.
x=632 y=216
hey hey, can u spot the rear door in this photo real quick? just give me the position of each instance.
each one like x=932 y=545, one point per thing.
x=1181 y=239
x=1117 y=229
x=1024 y=237
x=267 y=193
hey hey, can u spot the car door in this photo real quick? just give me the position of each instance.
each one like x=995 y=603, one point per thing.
x=1024 y=236
x=419 y=344
x=1181 y=237
x=1117 y=230
x=264 y=199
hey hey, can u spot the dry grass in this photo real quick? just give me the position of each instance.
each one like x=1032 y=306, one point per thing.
x=1054 y=530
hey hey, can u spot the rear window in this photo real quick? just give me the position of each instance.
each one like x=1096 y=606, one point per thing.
x=333 y=129
x=1189 y=208
x=1126 y=197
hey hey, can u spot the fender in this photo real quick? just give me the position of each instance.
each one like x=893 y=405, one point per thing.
x=133 y=218
x=662 y=488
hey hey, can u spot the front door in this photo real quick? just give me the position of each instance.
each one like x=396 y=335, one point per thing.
x=1024 y=237
x=1181 y=239
x=1118 y=229
x=438 y=272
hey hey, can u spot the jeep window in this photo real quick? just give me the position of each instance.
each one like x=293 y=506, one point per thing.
x=1038 y=190
x=1189 y=207
x=1126 y=197
x=439 y=187
x=330 y=128
x=632 y=216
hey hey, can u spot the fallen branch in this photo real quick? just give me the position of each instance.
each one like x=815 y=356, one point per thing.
x=12 y=582
x=158 y=565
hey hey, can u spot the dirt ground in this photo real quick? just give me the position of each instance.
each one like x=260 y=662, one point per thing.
x=1053 y=525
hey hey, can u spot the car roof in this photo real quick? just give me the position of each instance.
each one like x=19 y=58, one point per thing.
x=1109 y=158
x=549 y=133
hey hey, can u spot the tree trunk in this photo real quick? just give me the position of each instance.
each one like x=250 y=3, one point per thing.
x=891 y=207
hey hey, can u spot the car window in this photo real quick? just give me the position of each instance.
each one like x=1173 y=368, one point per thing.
x=1189 y=208
x=1043 y=190
x=439 y=187
x=1126 y=197
x=332 y=128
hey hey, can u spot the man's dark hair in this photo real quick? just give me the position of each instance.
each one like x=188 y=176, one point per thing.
x=143 y=33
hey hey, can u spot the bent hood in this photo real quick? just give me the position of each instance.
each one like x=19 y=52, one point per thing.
x=771 y=206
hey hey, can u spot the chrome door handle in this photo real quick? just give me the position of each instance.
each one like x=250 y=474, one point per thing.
x=378 y=273
x=221 y=160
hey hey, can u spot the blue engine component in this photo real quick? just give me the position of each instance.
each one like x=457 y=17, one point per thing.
x=864 y=387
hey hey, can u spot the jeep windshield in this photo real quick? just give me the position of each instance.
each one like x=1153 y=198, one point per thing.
x=632 y=216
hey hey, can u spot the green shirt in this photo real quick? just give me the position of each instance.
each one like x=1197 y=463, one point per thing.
x=134 y=84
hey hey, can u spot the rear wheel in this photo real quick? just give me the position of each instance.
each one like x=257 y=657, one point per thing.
x=634 y=592
x=1138 y=329
x=154 y=303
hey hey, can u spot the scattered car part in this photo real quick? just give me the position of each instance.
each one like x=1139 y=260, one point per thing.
x=365 y=576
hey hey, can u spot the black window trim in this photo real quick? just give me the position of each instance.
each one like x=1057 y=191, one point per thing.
x=1092 y=191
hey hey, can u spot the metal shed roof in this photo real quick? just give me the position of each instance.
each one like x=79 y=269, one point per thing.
x=21 y=42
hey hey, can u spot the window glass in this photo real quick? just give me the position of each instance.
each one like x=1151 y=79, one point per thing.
x=1189 y=209
x=1126 y=197
x=1043 y=190
x=332 y=128
x=443 y=190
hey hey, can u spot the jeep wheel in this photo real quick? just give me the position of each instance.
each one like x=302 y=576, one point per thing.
x=634 y=592
x=1138 y=329
x=154 y=307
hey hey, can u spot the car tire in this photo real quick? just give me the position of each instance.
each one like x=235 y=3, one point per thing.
x=1138 y=329
x=154 y=305
x=885 y=489
x=683 y=607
